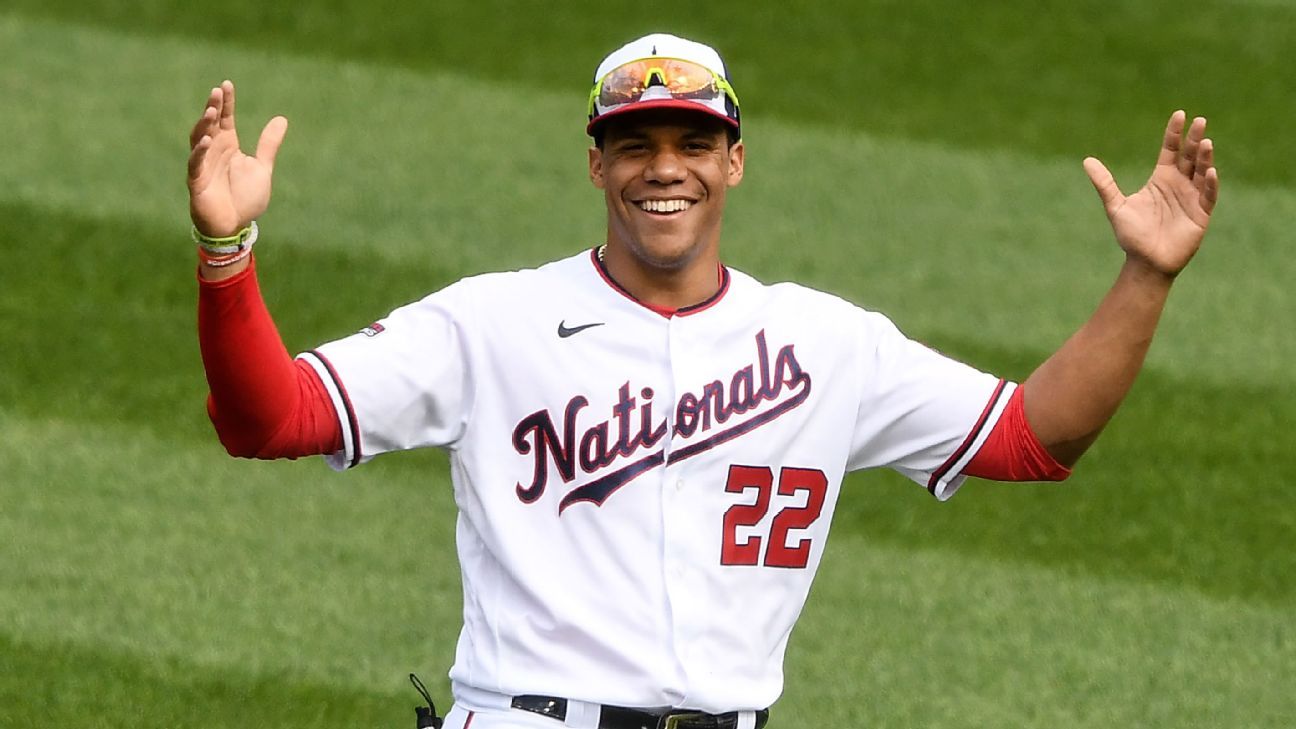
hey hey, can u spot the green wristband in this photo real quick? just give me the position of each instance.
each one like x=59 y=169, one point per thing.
x=228 y=244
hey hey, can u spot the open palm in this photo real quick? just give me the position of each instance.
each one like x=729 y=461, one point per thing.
x=1163 y=223
x=229 y=189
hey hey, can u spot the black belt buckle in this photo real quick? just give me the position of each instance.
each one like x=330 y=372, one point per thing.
x=702 y=720
x=684 y=719
x=549 y=706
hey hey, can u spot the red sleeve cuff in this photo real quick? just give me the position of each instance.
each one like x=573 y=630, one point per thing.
x=1012 y=452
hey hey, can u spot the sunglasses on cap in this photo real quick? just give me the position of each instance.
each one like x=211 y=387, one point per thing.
x=682 y=80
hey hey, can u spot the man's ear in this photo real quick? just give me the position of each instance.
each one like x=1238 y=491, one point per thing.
x=596 y=167
x=737 y=153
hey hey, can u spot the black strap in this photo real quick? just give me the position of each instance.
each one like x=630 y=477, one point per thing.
x=620 y=717
x=426 y=715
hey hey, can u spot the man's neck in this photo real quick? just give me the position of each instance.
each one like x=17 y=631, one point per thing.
x=663 y=289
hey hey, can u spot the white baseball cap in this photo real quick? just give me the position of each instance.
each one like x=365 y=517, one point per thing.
x=662 y=71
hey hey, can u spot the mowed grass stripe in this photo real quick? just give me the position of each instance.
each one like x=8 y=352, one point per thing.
x=1187 y=483
x=158 y=559
x=53 y=684
x=423 y=167
x=121 y=540
x=433 y=171
x=1035 y=75
x=947 y=640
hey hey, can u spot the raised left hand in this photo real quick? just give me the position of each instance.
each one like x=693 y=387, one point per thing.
x=1162 y=224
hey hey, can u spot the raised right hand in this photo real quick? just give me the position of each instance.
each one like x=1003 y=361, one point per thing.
x=229 y=189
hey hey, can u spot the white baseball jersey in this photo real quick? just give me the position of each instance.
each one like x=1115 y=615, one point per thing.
x=644 y=500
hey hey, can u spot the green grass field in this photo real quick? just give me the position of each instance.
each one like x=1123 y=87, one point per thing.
x=922 y=159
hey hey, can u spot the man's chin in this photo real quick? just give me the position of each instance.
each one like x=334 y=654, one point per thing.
x=665 y=255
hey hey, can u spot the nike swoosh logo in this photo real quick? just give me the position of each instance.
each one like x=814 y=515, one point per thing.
x=565 y=331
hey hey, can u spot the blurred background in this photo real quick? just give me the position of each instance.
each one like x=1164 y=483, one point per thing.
x=921 y=159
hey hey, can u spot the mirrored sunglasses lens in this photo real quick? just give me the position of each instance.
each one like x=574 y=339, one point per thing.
x=624 y=84
x=684 y=80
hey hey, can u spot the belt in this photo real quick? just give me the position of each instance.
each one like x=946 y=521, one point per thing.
x=620 y=717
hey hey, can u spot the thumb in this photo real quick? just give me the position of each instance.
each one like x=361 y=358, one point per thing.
x=271 y=137
x=1103 y=182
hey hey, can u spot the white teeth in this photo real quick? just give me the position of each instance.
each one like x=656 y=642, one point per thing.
x=665 y=206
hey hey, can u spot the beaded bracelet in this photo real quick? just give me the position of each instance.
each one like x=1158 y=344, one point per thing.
x=222 y=261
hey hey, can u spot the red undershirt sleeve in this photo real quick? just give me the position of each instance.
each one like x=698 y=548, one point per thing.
x=1012 y=452
x=262 y=403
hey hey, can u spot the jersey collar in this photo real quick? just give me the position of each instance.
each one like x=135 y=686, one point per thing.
x=722 y=274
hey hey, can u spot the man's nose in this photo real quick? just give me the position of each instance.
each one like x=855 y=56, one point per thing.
x=666 y=166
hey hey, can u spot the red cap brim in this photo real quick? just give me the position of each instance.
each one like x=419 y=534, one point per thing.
x=683 y=104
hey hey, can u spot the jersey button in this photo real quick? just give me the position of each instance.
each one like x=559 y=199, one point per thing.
x=679 y=484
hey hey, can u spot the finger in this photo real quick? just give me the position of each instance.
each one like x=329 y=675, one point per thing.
x=1170 y=143
x=1192 y=141
x=197 y=155
x=1204 y=161
x=227 y=106
x=213 y=99
x=209 y=109
x=205 y=125
x=1104 y=183
x=271 y=137
x=1210 y=192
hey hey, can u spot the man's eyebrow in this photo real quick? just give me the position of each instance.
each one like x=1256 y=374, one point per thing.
x=630 y=133
x=640 y=135
x=707 y=135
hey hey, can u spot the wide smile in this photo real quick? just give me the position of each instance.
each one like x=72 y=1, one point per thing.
x=664 y=207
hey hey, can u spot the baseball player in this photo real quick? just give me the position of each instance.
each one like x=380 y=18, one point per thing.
x=646 y=445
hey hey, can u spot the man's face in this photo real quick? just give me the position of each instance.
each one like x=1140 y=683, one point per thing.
x=664 y=174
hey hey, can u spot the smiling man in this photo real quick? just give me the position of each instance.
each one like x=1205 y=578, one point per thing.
x=643 y=502
x=665 y=174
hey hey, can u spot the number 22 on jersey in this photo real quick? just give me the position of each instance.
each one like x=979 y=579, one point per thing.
x=777 y=552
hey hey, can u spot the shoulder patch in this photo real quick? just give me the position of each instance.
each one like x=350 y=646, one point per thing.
x=373 y=330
